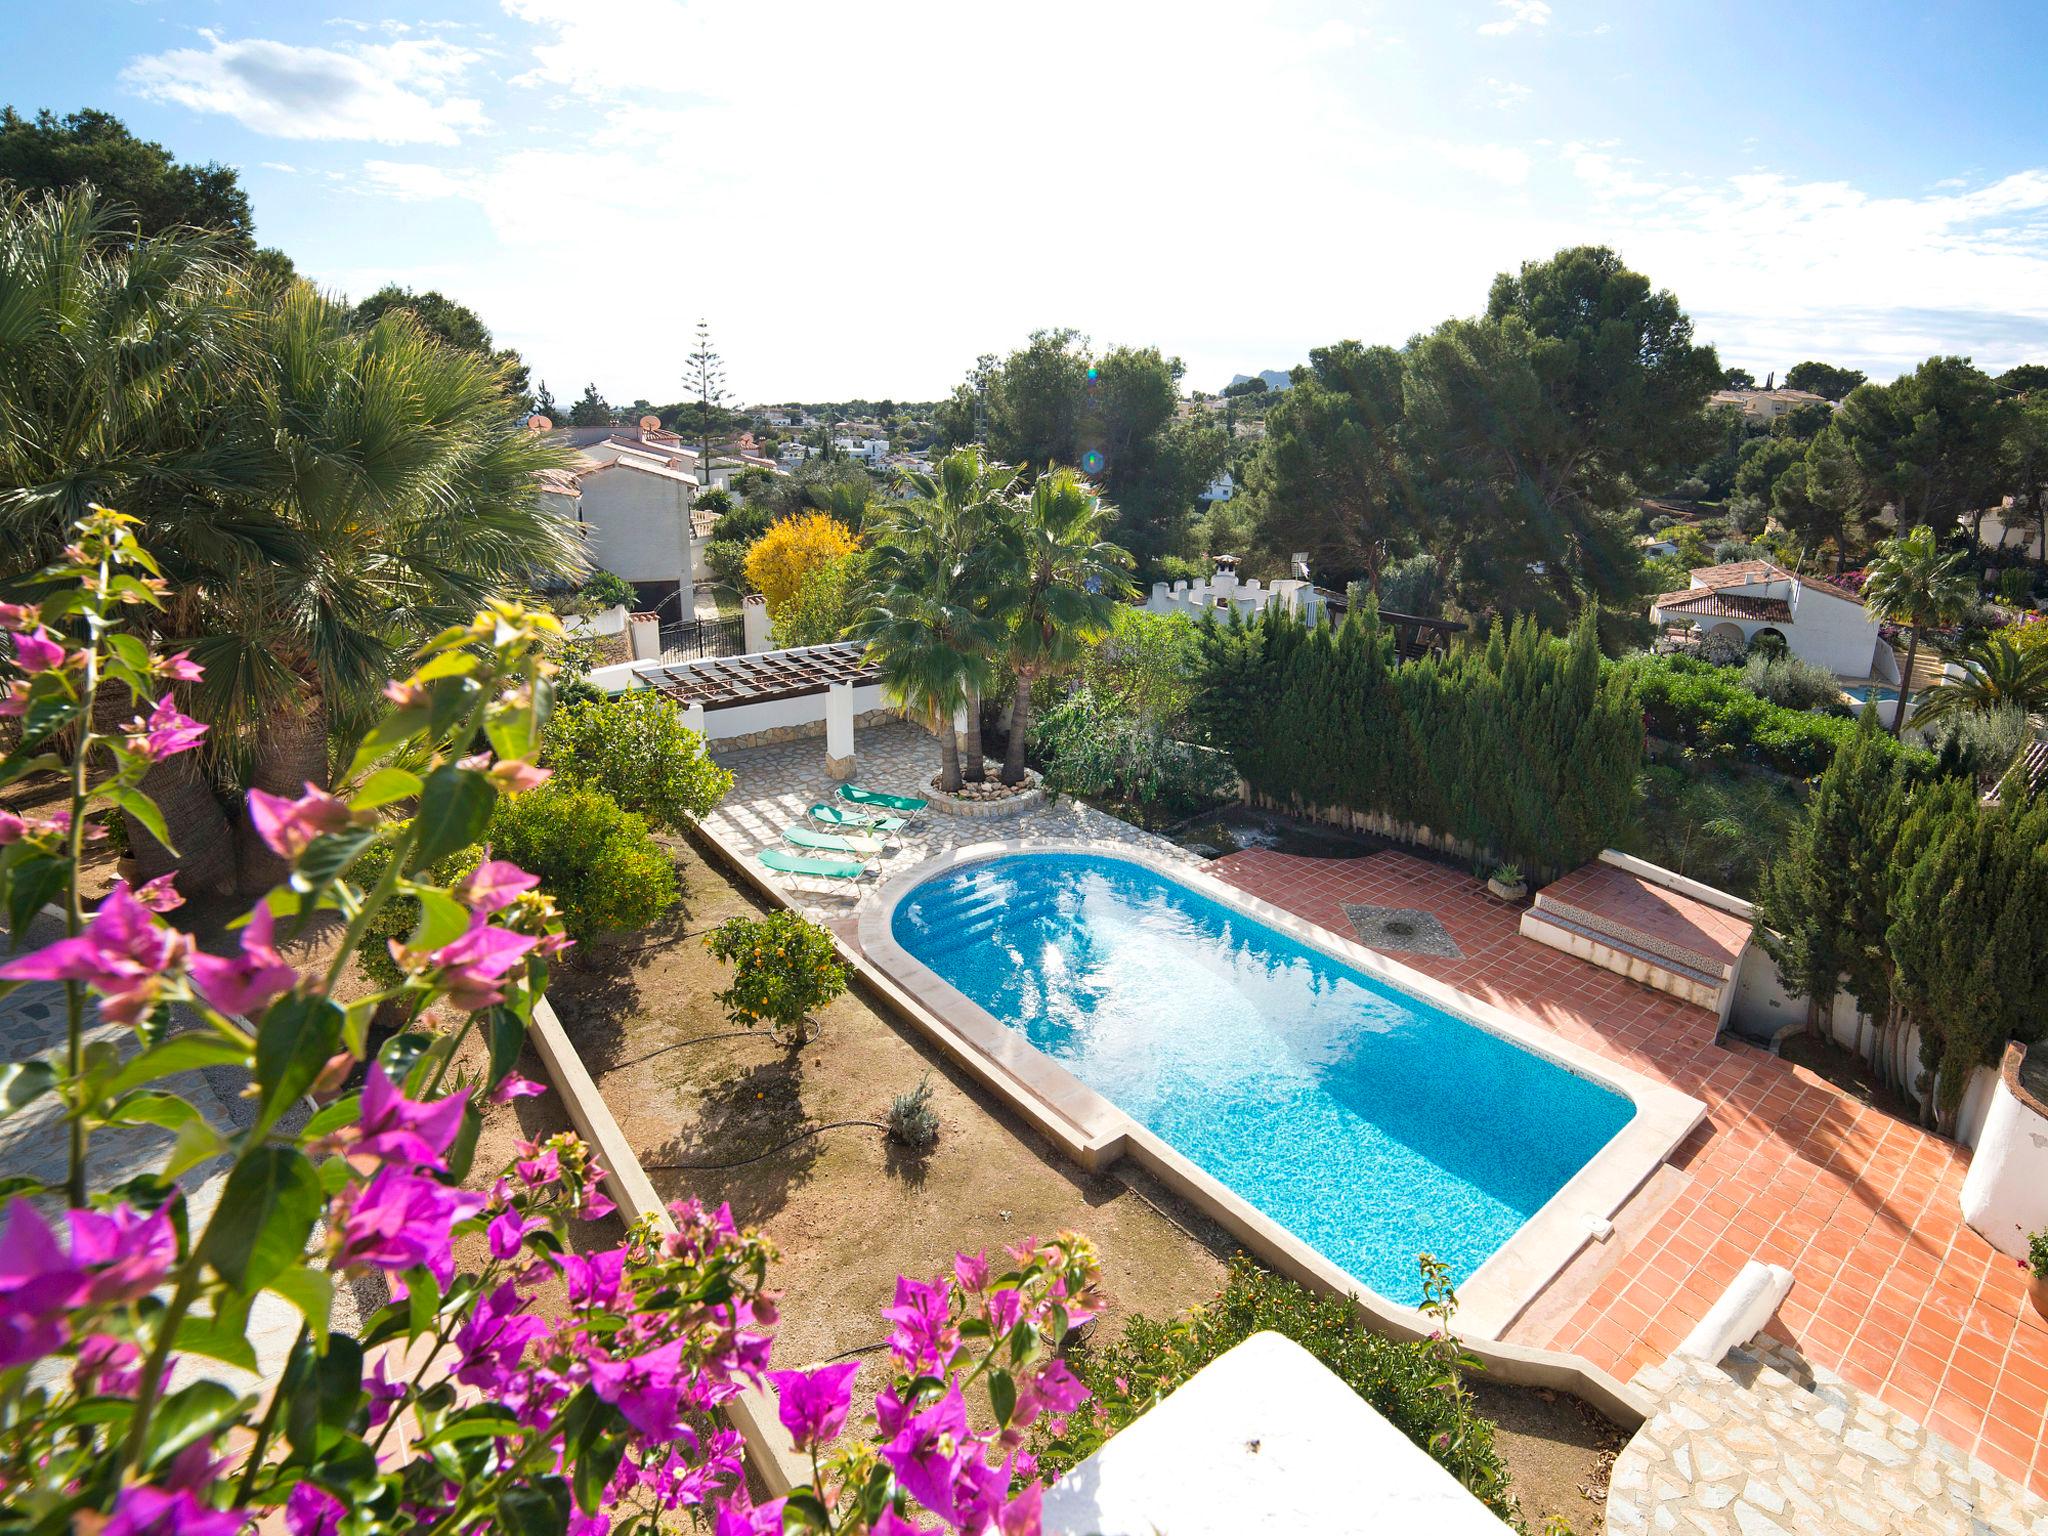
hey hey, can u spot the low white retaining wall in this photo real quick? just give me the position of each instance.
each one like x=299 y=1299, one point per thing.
x=2005 y=1193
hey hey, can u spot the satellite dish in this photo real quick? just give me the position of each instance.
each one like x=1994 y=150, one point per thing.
x=650 y=423
x=538 y=423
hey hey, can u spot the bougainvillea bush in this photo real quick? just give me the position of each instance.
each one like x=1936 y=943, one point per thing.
x=458 y=1407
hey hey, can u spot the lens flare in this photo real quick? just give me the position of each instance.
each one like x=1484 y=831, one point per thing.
x=1092 y=462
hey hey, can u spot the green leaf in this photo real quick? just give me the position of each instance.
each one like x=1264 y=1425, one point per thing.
x=23 y=1082
x=144 y=810
x=266 y=1213
x=20 y=764
x=312 y=1292
x=326 y=857
x=293 y=1043
x=383 y=787
x=443 y=919
x=181 y=1053
x=45 y=717
x=34 y=883
x=447 y=664
x=508 y=1034
x=540 y=1508
x=423 y=1298
x=462 y=1150
x=1002 y=1395
x=804 y=1511
x=149 y=1107
x=130 y=650
x=192 y=1413
x=594 y=1467
x=455 y=807
x=197 y=1141
x=399 y=726
x=222 y=1336
x=324 y=1390
x=332 y=1117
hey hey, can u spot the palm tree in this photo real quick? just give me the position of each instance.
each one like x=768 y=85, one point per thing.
x=1071 y=579
x=963 y=510
x=321 y=496
x=1911 y=582
x=1997 y=674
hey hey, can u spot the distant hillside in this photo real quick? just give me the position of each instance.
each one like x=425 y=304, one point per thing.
x=1276 y=378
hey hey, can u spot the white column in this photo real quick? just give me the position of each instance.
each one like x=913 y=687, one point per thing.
x=643 y=637
x=754 y=623
x=693 y=718
x=839 y=730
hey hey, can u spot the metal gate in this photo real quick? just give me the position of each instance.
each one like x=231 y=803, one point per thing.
x=693 y=639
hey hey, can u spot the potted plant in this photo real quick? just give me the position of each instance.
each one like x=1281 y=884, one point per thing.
x=2036 y=1266
x=1507 y=883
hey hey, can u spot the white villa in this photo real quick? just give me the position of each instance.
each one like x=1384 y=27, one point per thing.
x=1820 y=623
x=632 y=492
x=1223 y=592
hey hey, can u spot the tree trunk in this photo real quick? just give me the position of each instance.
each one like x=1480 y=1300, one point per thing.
x=1020 y=727
x=1906 y=682
x=291 y=752
x=205 y=860
x=971 y=761
x=949 y=757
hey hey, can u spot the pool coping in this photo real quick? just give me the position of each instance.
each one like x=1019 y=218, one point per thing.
x=1096 y=1132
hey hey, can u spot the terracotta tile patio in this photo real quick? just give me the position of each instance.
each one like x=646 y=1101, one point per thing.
x=1891 y=1290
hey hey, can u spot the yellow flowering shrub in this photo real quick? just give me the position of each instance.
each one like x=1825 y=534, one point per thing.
x=790 y=550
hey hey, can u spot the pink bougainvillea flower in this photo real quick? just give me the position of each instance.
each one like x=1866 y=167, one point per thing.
x=593 y=1279
x=313 y=1511
x=124 y=954
x=36 y=651
x=400 y=1221
x=596 y=1204
x=161 y=895
x=14 y=702
x=167 y=732
x=924 y=1338
x=179 y=668
x=39 y=1284
x=1005 y=1311
x=289 y=826
x=494 y=885
x=127 y=1253
x=140 y=1511
x=20 y=616
x=929 y=1451
x=106 y=1366
x=409 y=1132
x=516 y=1087
x=384 y=1393
x=813 y=1404
x=744 y=1518
x=508 y=1231
x=539 y=1165
x=247 y=982
x=473 y=967
x=493 y=1339
x=646 y=1388
x=971 y=1270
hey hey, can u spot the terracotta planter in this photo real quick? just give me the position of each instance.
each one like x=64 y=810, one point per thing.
x=2037 y=1292
x=129 y=869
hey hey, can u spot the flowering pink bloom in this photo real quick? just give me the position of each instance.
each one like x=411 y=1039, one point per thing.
x=124 y=954
x=106 y=1367
x=14 y=703
x=473 y=966
x=14 y=828
x=596 y=1204
x=971 y=1270
x=813 y=1404
x=594 y=1279
x=1051 y=1388
x=491 y=1341
x=400 y=1221
x=142 y=1511
x=1005 y=1311
x=166 y=733
x=180 y=668
x=289 y=826
x=515 y=776
x=599 y=1524
x=248 y=982
x=494 y=885
x=161 y=895
x=38 y=1286
x=399 y=1130
x=508 y=1231
x=313 y=1511
x=383 y=1393
x=129 y=1253
x=543 y=1168
x=20 y=616
x=742 y=1518
x=929 y=1452
x=647 y=1389
x=924 y=1338
x=516 y=1087
x=36 y=651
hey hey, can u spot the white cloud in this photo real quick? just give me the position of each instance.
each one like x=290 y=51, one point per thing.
x=1500 y=163
x=386 y=93
x=1507 y=93
x=1520 y=13
x=410 y=182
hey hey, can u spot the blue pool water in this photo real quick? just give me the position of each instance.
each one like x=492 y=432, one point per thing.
x=1862 y=693
x=1371 y=1124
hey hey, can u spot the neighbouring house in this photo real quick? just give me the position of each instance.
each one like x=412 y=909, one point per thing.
x=870 y=451
x=792 y=455
x=1819 y=623
x=634 y=510
x=1222 y=488
x=1765 y=406
x=1223 y=592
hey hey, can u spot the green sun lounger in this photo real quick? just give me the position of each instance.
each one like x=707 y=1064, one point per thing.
x=847 y=820
x=832 y=842
x=782 y=861
x=907 y=805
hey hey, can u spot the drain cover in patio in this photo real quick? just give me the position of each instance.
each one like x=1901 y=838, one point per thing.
x=1402 y=928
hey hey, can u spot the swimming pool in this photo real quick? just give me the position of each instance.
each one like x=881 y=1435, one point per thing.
x=1863 y=693
x=1370 y=1123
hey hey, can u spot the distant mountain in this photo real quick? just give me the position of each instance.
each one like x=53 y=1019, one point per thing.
x=1276 y=378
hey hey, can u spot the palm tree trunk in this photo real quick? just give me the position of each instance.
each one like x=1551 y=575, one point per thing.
x=972 y=767
x=1020 y=727
x=949 y=756
x=291 y=752
x=1906 y=682
x=205 y=860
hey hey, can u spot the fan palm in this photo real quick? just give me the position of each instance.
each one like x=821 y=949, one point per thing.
x=321 y=496
x=1997 y=674
x=1911 y=582
x=1071 y=578
x=962 y=509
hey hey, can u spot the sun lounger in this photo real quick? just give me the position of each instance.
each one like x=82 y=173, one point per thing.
x=832 y=842
x=846 y=819
x=903 y=805
x=783 y=862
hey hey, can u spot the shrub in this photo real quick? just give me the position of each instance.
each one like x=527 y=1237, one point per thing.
x=401 y=915
x=717 y=501
x=1791 y=683
x=1085 y=745
x=912 y=1120
x=2015 y=586
x=1708 y=709
x=635 y=747
x=781 y=557
x=2037 y=1255
x=1417 y=1385
x=1748 y=515
x=604 y=590
x=783 y=967
x=1981 y=742
x=1413 y=586
x=1692 y=488
x=726 y=560
x=742 y=525
x=1148 y=667
x=1716 y=822
x=1719 y=650
x=596 y=858
x=824 y=603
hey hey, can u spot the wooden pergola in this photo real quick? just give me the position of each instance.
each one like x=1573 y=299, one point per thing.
x=720 y=682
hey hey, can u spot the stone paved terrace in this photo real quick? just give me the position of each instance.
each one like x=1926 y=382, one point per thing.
x=1633 y=903
x=1764 y=1444
x=775 y=785
x=1891 y=1291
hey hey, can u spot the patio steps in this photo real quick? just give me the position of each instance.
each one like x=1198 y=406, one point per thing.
x=1638 y=956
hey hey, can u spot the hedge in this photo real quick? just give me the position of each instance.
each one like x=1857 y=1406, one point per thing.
x=1707 y=708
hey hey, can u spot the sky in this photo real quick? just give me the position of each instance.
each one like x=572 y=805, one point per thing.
x=861 y=199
